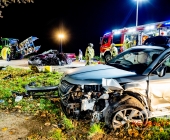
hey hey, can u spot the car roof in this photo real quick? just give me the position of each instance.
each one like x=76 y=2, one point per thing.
x=157 y=41
x=149 y=47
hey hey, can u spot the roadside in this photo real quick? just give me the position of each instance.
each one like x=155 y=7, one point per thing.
x=42 y=119
x=15 y=125
x=24 y=64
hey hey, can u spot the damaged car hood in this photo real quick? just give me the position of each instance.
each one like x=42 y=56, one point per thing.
x=97 y=72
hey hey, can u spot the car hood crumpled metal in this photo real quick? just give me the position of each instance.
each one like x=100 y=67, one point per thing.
x=97 y=72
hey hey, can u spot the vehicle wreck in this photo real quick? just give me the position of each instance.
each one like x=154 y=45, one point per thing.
x=130 y=88
x=51 y=57
x=123 y=91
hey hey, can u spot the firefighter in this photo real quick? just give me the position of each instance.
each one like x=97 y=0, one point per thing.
x=8 y=53
x=92 y=50
x=113 y=50
x=89 y=54
x=127 y=44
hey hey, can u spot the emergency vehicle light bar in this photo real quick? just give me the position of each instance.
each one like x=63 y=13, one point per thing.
x=149 y=27
x=167 y=23
x=132 y=30
x=107 y=33
x=117 y=32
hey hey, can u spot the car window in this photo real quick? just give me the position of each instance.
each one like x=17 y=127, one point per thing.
x=167 y=63
x=105 y=40
x=135 y=60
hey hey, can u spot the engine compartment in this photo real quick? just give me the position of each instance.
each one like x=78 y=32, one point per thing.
x=82 y=101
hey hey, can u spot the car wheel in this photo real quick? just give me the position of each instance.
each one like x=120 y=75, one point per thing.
x=107 y=57
x=130 y=113
x=69 y=61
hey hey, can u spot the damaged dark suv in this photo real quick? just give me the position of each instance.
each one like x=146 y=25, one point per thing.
x=130 y=88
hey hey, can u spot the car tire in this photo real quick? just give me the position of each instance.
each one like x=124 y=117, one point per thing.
x=69 y=61
x=107 y=57
x=131 y=112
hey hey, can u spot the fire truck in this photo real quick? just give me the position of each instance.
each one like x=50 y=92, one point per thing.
x=136 y=35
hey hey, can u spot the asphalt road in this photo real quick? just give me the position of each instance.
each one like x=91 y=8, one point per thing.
x=24 y=64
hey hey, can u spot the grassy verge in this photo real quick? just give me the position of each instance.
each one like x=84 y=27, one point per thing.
x=48 y=112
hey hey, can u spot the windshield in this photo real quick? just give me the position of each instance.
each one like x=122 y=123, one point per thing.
x=135 y=60
x=105 y=40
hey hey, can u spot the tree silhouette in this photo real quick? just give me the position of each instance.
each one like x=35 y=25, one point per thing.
x=5 y=3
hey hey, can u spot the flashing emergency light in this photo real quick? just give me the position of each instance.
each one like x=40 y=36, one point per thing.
x=167 y=23
x=132 y=30
x=140 y=0
x=107 y=33
x=149 y=27
x=117 y=32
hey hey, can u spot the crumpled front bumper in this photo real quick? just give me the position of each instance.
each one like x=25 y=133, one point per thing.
x=34 y=62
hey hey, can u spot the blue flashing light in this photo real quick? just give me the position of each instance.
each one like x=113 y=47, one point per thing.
x=167 y=23
x=107 y=33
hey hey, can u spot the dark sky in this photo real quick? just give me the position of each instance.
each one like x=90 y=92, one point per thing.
x=83 y=21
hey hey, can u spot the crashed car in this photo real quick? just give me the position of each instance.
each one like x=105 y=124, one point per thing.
x=130 y=88
x=158 y=40
x=52 y=57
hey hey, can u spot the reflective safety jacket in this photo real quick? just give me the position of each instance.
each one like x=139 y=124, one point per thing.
x=89 y=52
x=127 y=44
x=113 y=50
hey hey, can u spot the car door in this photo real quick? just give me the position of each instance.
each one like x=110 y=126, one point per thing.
x=159 y=87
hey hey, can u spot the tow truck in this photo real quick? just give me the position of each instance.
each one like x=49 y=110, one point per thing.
x=137 y=35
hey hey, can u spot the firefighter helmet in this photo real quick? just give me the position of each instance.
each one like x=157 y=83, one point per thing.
x=91 y=44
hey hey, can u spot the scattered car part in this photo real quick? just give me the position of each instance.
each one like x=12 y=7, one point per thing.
x=41 y=89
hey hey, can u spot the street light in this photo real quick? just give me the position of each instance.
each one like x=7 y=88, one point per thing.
x=61 y=36
x=137 y=2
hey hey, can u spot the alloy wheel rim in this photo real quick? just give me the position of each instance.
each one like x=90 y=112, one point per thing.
x=127 y=117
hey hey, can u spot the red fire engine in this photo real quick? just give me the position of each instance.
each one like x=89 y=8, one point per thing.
x=137 y=35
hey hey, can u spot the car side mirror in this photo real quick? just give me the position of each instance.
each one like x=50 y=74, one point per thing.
x=161 y=71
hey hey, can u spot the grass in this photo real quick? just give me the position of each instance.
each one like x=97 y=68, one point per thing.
x=67 y=123
x=14 y=80
x=156 y=129
x=58 y=135
x=95 y=129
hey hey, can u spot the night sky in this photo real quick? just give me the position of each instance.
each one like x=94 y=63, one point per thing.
x=83 y=21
